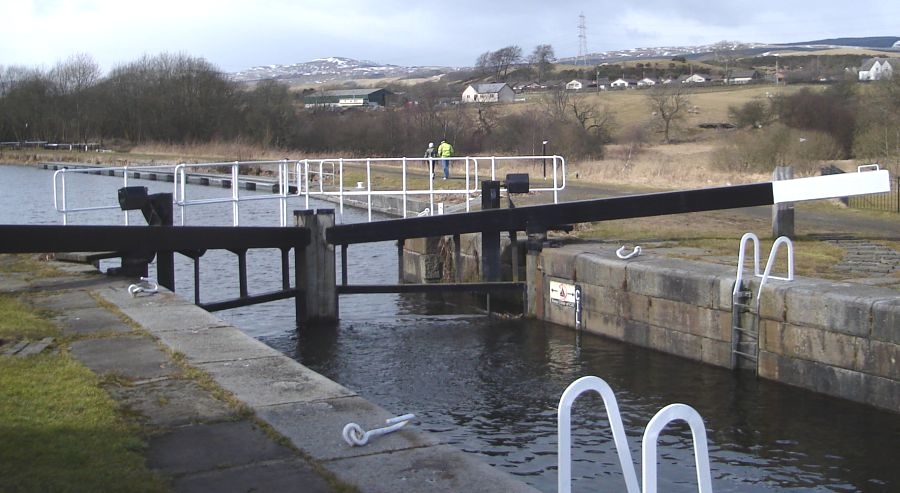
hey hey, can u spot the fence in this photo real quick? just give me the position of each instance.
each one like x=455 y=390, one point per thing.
x=338 y=180
x=888 y=201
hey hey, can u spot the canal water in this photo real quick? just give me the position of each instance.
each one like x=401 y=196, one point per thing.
x=490 y=385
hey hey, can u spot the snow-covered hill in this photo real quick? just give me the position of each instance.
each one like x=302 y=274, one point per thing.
x=337 y=69
x=332 y=69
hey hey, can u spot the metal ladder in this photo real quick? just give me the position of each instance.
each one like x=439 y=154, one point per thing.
x=745 y=306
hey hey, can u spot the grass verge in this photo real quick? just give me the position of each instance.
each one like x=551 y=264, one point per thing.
x=59 y=431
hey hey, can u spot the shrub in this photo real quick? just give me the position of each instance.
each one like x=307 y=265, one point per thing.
x=752 y=114
x=776 y=145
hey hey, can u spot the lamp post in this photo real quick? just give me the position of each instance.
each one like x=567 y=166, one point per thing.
x=544 y=153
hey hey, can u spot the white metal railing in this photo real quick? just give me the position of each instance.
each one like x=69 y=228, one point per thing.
x=281 y=191
x=60 y=187
x=307 y=179
x=672 y=412
x=472 y=169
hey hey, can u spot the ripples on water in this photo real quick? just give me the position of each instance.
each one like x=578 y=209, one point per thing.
x=491 y=386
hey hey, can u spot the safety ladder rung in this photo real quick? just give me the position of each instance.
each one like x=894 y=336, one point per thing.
x=746 y=355
x=746 y=332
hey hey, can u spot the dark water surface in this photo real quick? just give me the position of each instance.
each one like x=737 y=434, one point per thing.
x=490 y=386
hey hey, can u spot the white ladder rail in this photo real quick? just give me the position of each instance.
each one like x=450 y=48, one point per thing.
x=666 y=415
x=564 y=432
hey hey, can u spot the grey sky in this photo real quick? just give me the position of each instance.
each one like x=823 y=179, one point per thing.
x=238 y=34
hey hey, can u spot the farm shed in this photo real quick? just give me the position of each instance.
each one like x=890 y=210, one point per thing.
x=345 y=98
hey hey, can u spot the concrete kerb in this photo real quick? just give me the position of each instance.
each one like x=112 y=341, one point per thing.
x=306 y=407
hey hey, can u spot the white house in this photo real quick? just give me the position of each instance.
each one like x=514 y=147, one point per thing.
x=694 y=79
x=646 y=82
x=489 y=93
x=622 y=83
x=578 y=84
x=877 y=69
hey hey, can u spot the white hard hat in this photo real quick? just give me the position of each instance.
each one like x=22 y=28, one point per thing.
x=431 y=144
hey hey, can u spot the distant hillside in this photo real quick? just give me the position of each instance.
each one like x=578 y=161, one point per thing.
x=331 y=70
x=870 y=42
x=339 y=69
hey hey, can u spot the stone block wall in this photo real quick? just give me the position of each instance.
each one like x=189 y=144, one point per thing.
x=836 y=338
x=664 y=304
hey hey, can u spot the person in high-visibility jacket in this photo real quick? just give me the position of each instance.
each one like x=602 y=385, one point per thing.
x=445 y=150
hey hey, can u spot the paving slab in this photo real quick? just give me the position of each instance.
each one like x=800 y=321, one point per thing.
x=63 y=301
x=170 y=403
x=131 y=357
x=12 y=349
x=75 y=280
x=36 y=347
x=432 y=469
x=83 y=321
x=316 y=427
x=204 y=447
x=219 y=343
x=273 y=476
x=276 y=380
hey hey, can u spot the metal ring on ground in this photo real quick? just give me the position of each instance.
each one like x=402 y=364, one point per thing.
x=620 y=253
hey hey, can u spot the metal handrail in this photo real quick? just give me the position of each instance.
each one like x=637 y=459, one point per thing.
x=60 y=202
x=293 y=178
x=282 y=179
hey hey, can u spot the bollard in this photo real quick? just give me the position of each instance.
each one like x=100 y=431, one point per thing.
x=783 y=213
x=316 y=270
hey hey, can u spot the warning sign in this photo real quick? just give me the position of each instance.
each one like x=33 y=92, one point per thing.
x=562 y=294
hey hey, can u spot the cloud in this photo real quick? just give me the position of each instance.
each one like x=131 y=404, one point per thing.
x=238 y=34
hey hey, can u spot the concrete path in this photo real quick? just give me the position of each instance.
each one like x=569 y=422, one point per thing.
x=224 y=412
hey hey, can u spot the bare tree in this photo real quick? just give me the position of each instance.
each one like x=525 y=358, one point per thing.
x=591 y=116
x=669 y=103
x=542 y=58
x=75 y=74
x=503 y=59
x=483 y=63
x=556 y=104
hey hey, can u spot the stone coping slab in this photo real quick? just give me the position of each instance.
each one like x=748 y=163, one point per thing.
x=432 y=469
x=273 y=380
x=215 y=344
x=317 y=426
